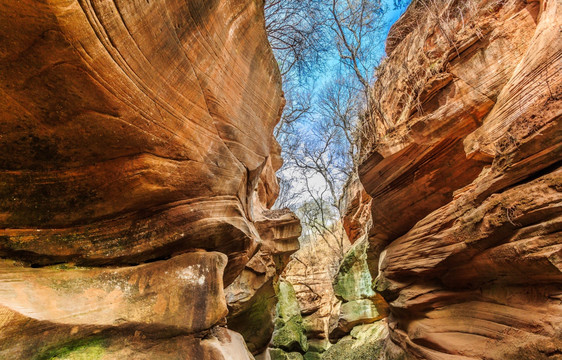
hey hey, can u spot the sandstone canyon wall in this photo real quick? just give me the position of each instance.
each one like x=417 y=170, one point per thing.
x=137 y=165
x=465 y=181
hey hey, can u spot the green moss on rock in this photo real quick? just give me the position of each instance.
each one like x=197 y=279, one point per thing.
x=357 y=312
x=312 y=355
x=365 y=342
x=318 y=345
x=287 y=304
x=290 y=336
x=255 y=323
x=83 y=349
x=350 y=350
x=278 y=354
x=353 y=280
x=289 y=333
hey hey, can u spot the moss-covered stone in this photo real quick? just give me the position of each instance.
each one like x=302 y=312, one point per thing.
x=369 y=331
x=278 y=354
x=287 y=304
x=365 y=342
x=255 y=322
x=290 y=336
x=289 y=333
x=84 y=349
x=359 y=310
x=354 y=313
x=353 y=280
x=318 y=345
x=312 y=355
x=349 y=350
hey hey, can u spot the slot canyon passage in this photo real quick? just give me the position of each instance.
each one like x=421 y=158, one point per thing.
x=138 y=181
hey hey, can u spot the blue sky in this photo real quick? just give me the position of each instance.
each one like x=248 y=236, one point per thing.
x=391 y=14
x=316 y=81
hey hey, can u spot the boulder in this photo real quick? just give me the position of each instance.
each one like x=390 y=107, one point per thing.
x=353 y=280
x=278 y=354
x=25 y=338
x=289 y=334
x=365 y=342
x=353 y=313
x=185 y=292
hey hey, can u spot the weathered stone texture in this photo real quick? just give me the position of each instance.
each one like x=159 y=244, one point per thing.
x=136 y=139
x=466 y=182
x=133 y=129
x=251 y=297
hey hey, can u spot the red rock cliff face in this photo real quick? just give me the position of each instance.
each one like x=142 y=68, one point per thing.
x=134 y=135
x=466 y=183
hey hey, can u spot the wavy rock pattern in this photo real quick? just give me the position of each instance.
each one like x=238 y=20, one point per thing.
x=466 y=187
x=251 y=297
x=136 y=138
x=123 y=117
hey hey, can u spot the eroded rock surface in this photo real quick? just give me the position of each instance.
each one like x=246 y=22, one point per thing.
x=20 y=339
x=136 y=141
x=289 y=338
x=353 y=286
x=364 y=342
x=333 y=290
x=251 y=297
x=312 y=272
x=133 y=130
x=184 y=292
x=465 y=180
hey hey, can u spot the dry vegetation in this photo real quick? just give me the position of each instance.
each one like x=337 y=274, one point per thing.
x=437 y=31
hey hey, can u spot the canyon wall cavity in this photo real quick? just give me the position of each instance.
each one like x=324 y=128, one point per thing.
x=465 y=181
x=137 y=158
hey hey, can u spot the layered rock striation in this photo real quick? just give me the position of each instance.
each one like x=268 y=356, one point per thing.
x=463 y=170
x=252 y=297
x=136 y=141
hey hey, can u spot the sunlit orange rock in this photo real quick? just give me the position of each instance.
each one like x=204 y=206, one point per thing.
x=24 y=338
x=133 y=130
x=135 y=137
x=184 y=292
x=466 y=185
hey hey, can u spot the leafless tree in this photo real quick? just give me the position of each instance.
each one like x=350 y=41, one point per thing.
x=341 y=106
x=355 y=24
x=295 y=30
x=320 y=212
x=318 y=129
x=299 y=102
